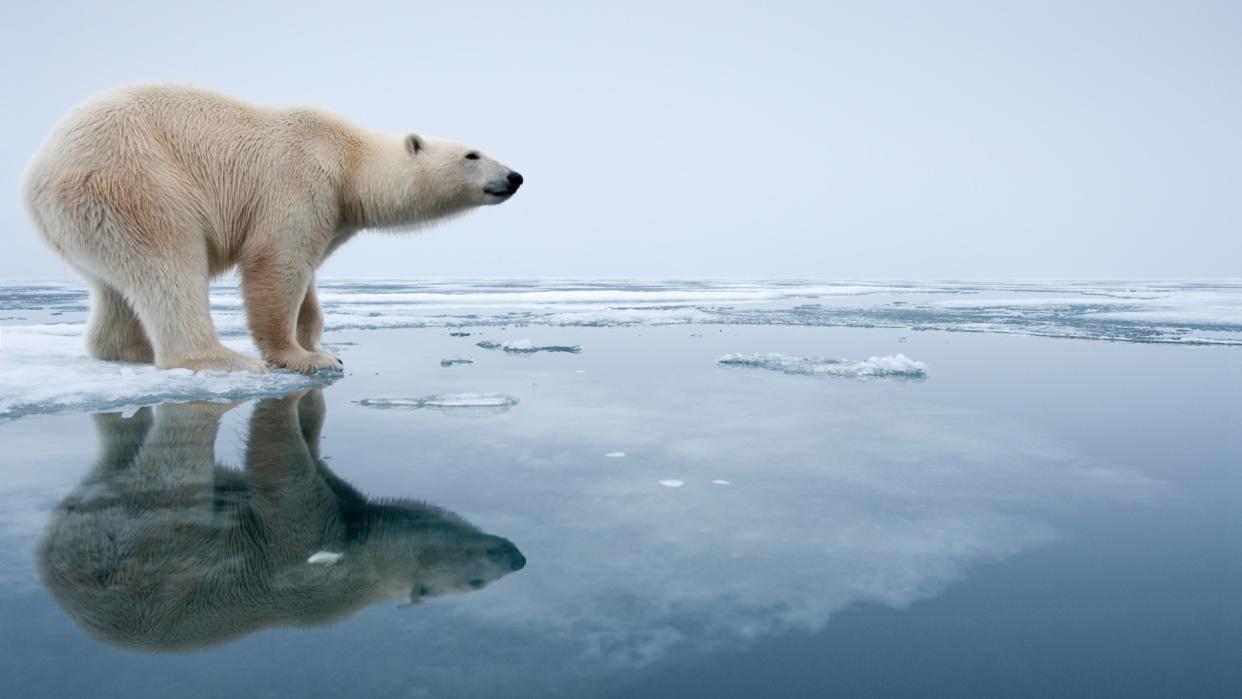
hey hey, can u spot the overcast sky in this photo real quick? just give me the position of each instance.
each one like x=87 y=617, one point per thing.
x=837 y=140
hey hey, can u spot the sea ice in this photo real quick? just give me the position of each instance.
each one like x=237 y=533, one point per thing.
x=615 y=454
x=672 y=483
x=1208 y=313
x=527 y=347
x=444 y=401
x=892 y=367
x=453 y=361
x=44 y=369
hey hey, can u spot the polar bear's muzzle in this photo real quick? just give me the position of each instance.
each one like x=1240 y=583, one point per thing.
x=507 y=187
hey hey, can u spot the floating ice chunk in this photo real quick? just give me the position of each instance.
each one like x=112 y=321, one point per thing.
x=325 y=557
x=527 y=347
x=615 y=455
x=459 y=333
x=444 y=401
x=454 y=361
x=892 y=367
x=721 y=482
x=672 y=483
x=469 y=400
x=44 y=369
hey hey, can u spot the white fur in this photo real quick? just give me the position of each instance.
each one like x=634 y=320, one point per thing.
x=151 y=190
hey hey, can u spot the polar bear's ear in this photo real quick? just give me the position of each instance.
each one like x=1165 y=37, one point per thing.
x=413 y=144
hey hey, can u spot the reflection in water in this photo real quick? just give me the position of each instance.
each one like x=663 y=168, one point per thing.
x=162 y=549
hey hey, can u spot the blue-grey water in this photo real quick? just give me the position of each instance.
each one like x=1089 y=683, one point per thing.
x=1031 y=490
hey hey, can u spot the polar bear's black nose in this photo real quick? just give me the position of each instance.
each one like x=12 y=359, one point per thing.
x=515 y=181
x=506 y=552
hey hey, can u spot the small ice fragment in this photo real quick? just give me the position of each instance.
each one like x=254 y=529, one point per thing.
x=527 y=347
x=453 y=361
x=615 y=455
x=721 y=482
x=579 y=371
x=892 y=367
x=445 y=401
x=672 y=483
x=459 y=334
x=469 y=400
x=325 y=557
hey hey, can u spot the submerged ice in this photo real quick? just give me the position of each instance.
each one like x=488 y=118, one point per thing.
x=892 y=367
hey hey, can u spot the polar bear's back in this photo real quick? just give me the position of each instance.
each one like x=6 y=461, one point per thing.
x=169 y=163
x=136 y=126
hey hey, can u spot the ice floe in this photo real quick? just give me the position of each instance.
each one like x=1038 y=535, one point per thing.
x=45 y=369
x=897 y=366
x=446 y=401
x=454 y=361
x=672 y=483
x=527 y=347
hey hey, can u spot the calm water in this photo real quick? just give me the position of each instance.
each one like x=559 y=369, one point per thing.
x=1037 y=516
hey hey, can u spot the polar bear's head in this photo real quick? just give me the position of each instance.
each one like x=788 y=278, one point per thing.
x=454 y=172
x=412 y=180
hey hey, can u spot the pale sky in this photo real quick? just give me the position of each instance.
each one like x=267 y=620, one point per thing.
x=834 y=140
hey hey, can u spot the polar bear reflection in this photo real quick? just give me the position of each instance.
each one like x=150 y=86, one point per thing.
x=160 y=548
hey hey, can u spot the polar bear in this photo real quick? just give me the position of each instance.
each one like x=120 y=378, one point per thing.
x=161 y=548
x=151 y=190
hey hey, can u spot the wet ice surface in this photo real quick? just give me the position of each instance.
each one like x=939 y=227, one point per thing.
x=44 y=369
x=1038 y=517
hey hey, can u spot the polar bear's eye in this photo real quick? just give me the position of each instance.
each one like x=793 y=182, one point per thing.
x=472 y=156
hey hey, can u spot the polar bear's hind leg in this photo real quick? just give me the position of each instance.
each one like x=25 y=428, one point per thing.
x=165 y=279
x=172 y=304
x=114 y=332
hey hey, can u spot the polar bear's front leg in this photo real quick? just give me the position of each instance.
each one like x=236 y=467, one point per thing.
x=275 y=288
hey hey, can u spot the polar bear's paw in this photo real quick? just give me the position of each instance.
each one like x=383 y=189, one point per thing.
x=223 y=359
x=305 y=362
